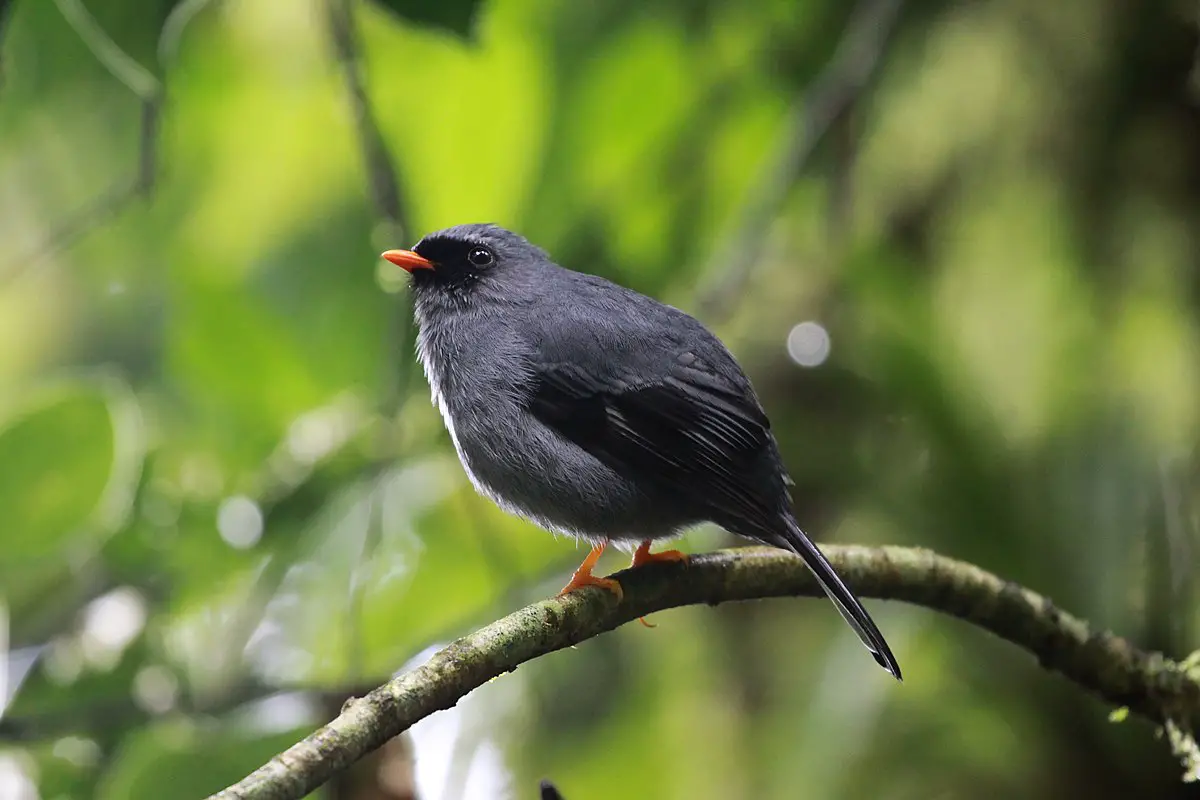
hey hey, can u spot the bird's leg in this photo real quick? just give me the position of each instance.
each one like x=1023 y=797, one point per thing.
x=584 y=577
x=643 y=555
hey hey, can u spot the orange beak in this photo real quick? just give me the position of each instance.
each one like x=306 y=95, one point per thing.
x=407 y=260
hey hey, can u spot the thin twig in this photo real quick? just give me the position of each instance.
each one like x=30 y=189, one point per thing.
x=172 y=29
x=151 y=91
x=97 y=212
x=809 y=120
x=119 y=64
x=383 y=190
x=1107 y=665
x=380 y=168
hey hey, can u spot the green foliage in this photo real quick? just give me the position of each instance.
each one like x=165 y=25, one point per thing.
x=65 y=448
x=455 y=16
x=210 y=414
x=75 y=450
x=157 y=760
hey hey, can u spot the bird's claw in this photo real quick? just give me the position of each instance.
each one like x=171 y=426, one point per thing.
x=643 y=556
x=580 y=580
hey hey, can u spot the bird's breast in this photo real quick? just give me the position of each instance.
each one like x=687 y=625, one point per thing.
x=479 y=378
x=477 y=398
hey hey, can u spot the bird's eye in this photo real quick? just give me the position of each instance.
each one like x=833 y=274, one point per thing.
x=481 y=257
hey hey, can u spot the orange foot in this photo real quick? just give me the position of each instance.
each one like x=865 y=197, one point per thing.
x=584 y=577
x=643 y=556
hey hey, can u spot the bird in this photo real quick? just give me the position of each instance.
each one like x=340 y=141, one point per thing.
x=596 y=411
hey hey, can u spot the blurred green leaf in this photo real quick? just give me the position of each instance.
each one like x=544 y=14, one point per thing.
x=456 y=16
x=69 y=463
x=180 y=759
x=484 y=161
x=65 y=767
x=97 y=701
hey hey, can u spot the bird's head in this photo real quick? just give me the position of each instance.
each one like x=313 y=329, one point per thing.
x=458 y=260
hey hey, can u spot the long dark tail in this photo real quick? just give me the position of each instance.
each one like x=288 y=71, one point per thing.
x=845 y=601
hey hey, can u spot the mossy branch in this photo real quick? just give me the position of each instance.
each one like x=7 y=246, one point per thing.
x=1119 y=673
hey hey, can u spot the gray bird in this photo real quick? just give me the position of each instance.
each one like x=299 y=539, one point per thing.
x=596 y=411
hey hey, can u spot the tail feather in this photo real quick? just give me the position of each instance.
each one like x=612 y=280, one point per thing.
x=843 y=599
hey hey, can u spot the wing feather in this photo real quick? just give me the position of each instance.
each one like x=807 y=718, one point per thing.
x=691 y=432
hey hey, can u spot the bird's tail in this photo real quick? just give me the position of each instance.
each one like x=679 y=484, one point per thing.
x=847 y=604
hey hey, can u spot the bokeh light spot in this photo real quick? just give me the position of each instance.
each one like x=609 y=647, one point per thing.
x=240 y=522
x=808 y=344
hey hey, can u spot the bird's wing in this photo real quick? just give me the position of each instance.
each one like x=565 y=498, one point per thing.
x=688 y=430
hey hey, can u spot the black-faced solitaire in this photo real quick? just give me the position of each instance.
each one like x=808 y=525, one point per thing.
x=596 y=411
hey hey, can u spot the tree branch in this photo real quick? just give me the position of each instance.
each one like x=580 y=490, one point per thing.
x=1107 y=665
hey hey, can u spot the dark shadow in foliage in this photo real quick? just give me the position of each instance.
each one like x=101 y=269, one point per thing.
x=5 y=8
x=456 y=16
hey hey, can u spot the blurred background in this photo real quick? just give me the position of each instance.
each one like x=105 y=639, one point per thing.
x=955 y=244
